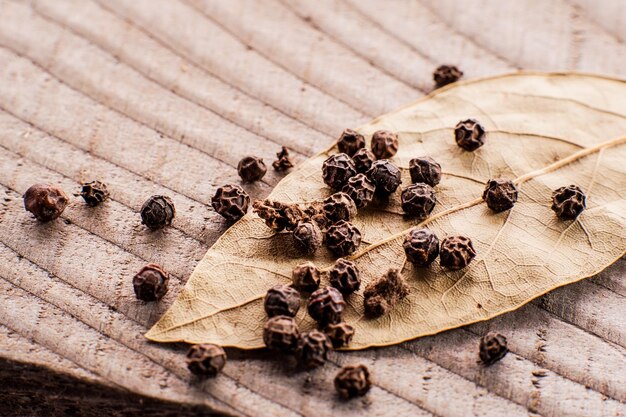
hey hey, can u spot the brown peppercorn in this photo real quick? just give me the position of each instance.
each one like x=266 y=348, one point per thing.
x=157 y=212
x=418 y=200
x=446 y=74
x=469 y=134
x=306 y=277
x=282 y=300
x=315 y=212
x=350 y=142
x=340 y=334
x=231 y=201
x=492 y=348
x=94 y=193
x=206 y=359
x=46 y=202
x=343 y=238
x=344 y=276
x=278 y=216
x=568 y=202
x=361 y=189
x=353 y=381
x=382 y=294
x=425 y=169
x=313 y=349
x=384 y=144
x=281 y=333
x=337 y=170
x=251 y=169
x=326 y=306
x=363 y=160
x=150 y=283
x=456 y=252
x=385 y=175
x=421 y=247
x=307 y=237
x=283 y=161
x=339 y=206
x=500 y=195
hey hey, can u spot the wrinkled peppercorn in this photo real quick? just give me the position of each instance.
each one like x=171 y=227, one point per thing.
x=206 y=359
x=421 y=247
x=282 y=300
x=46 y=202
x=425 y=169
x=283 y=161
x=344 y=276
x=340 y=334
x=418 y=200
x=278 y=216
x=363 y=160
x=337 y=170
x=350 y=142
x=385 y=175
x=307 y=237
x=456 y=252
x=568 y=202
x=382 y=294
x=315 y=212
x=251 y=169
x=492 y=348
x=446 y=74
x=313 y=349
x=500 y=195
x=384 y=144
x=361 y=189
x=157 y=212
x=231 y=201
x=326 y=306
x=343 y=238
x=306 y=277
x=469 y=134
x=94 y=193
x=281 y=333
x=353 y=381
x=150 y=283
x=339 y=206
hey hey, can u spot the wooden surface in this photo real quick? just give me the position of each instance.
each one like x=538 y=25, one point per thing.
x=165 y=96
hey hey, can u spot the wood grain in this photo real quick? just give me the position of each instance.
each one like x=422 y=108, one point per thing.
x=161 y=96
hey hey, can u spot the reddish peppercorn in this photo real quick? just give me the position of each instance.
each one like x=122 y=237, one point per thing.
x=46 y=202
x=231 y=201
x=384 y=144
x=150 y=283
x=456 y=252
x=251 y=169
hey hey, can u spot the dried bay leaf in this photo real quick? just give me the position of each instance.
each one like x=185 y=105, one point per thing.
x=544 y=131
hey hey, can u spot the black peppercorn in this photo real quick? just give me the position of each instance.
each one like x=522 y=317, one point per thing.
x=421 y=247
x=418 y=200
x=278 y=216
x=283 y=161
x=206 y=359
x=251 y=169
x=350 y=142
x=469 y=134
x=456 y=252
x=344 y=276
x=446 y=74
x=385 y=175
x=492 y=348
x=340 y=334
x=353 y=381
x=382 y=294
x=94 y=193
x=361 y=189
x=425 y=169
x=339 y=206
x=343 y=238
x=326 y=306
x=337 y=169
x=281 y=333
x=568 y=202
x=363 y=160
x=231 y=201
x=384 y=144
x=313 y=349
x=500 y=195
x=282 y=300
x=150 y=283
x=306 y=277
x=46 y=202
x=307 y=237
x=157 y=212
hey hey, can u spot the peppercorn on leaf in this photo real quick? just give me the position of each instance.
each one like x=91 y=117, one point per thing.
x=544 y=131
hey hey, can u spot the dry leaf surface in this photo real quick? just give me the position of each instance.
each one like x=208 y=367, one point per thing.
x=544 y=132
